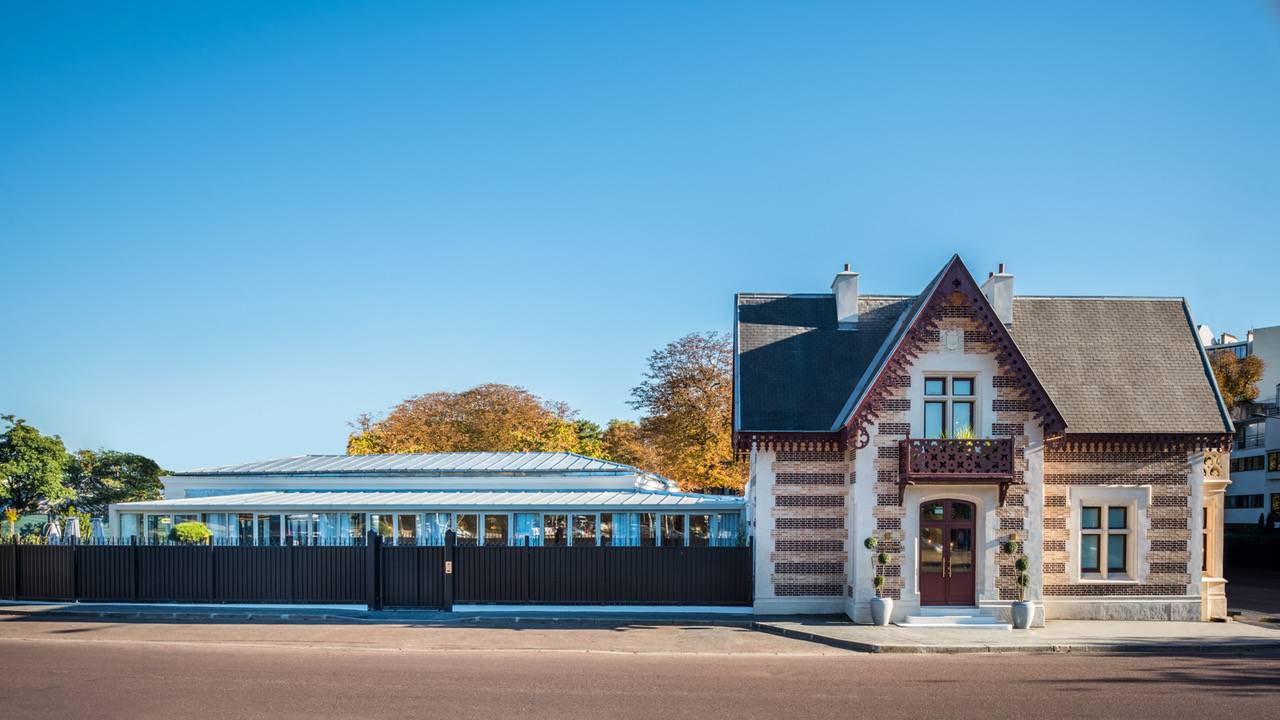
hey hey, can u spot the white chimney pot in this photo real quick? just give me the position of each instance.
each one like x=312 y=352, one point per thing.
x=998 y=289
x=845 y=288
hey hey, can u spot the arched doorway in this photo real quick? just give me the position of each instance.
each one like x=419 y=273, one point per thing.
x=946 y=552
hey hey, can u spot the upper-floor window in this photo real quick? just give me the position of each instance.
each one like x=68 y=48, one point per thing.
x=1252 y=435
x=1273 y=461
x=949 y=407
x=1239 y=502
x=1247 y=464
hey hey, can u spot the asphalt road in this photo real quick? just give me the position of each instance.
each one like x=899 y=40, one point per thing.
x=108 y=670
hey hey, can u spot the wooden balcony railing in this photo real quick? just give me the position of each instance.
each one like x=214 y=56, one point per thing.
x=956 y=461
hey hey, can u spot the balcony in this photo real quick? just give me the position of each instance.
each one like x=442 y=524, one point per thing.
x=956 y=462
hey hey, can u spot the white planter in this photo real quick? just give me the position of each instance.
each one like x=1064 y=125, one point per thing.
x=881 y=610
x=1023 y=614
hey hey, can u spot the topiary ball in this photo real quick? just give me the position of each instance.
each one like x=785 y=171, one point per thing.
x=878 y=581
x=1009 y=547
x=883 y=559
x=1021 y=564
x=1024 y=580
x=870 y=543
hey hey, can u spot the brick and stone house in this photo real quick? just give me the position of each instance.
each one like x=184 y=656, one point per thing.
x=1088 y=430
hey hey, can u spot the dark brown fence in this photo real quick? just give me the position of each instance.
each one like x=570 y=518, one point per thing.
x=377 y=575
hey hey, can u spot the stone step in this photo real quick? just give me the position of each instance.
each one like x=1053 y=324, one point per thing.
x=979 y=622
x=949 y=610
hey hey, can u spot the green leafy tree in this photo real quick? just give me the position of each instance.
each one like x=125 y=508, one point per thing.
x=32 y=467
x=103 y=477
x=1237 y=377
x=687 y=395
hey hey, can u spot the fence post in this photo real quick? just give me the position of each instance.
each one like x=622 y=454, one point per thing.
x=372 y=571
x=527 y=560
x=17 y=592
x=133 y=563
x=450 y=542
x=288 y=570
x=213 y=593
x=75 y=568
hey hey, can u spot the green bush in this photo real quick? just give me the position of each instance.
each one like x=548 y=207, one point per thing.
x=870 y=543
x=190 y=533
x=1010 y=547
x=1021 y=564
x=883 y=559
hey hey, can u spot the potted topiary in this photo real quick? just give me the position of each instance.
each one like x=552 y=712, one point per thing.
x=1023 y=611
x=881 y=607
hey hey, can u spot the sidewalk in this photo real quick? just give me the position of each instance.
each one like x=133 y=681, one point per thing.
x=1057 y=636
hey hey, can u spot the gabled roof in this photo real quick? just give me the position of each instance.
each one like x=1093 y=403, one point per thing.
x=1107 y=365
x=489 y=463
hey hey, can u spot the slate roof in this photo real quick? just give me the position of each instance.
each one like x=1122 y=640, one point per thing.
x=1119 y=365
x=1110 y=365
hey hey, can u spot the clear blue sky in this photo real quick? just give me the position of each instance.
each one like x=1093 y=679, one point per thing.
x=228 y=228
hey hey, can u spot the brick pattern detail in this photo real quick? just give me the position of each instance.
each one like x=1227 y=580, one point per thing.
x=790 y=478
x=809 y=496
x=1168 y=517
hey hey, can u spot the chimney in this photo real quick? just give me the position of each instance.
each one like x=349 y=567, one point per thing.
x=999 y=291
x=845 y=288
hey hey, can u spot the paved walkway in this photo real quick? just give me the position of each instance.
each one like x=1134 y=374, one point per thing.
x=1055 y=636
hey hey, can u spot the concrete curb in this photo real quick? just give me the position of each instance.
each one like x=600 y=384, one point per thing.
x=391 y=617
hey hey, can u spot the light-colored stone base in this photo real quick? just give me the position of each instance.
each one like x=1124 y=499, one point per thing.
x=798 y=606
x=1185 y=608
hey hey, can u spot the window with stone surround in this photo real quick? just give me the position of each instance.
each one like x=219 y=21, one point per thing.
x=1104 y=540
x=950 y=407
x=1108 y=531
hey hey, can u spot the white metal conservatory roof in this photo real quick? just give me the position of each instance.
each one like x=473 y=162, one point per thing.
x=443 y=463
x=443 y=500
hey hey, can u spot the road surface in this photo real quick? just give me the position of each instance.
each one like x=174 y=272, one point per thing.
x=153 y=670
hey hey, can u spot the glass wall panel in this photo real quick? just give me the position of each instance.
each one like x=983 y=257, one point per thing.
x=648 y=529
x=699 y=530
x=130 y=525
x=299 y=529
x=555 y=529
x=158 y=527
x=244 y=528
x=468 y=528
x=435 y=525
x=727 y=529
x=384 y=524
x=218 y=525
x=584 y=529
x=188 y=517
x=270 y=531
x=672 y=530
x=326 y=530
x=527 y=530
x=496 y=529
x=352 y=528
x=407 y=530
x=619 y=529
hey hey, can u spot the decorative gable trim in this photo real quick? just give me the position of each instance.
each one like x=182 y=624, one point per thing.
x=954 y=287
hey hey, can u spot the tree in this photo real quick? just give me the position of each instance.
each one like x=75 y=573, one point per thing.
x=1237 y=377
x=624 y=441
x=687 y=394
x=485 y=418
x=108 y=476
x=31 y=467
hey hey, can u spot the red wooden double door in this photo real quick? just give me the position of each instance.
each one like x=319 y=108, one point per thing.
x=946 y=553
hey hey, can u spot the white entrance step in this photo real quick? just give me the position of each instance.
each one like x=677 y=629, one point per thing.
x=953 y=617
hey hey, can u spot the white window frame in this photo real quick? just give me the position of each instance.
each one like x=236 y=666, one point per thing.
x=1136 y=499
x=950 y=397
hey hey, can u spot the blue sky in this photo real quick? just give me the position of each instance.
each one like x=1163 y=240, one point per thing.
x=227 y=229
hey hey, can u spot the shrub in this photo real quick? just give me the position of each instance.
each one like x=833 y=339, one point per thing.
x=1021 y=564
x=1010 y=547
x=190 y=533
